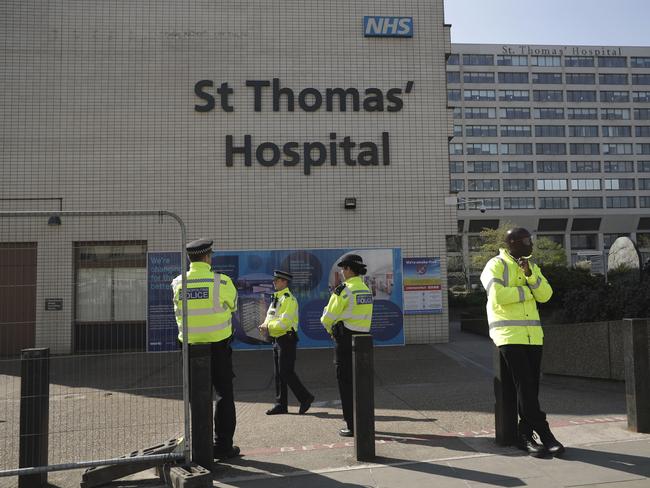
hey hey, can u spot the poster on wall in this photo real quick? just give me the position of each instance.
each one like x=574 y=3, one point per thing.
x=422 y=285
x=162 y=268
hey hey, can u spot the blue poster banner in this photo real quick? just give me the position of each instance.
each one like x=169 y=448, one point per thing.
x=422 y=286
x=162 y=268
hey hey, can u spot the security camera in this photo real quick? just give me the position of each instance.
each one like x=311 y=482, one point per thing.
x=482 y=208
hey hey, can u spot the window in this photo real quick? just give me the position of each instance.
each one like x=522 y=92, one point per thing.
x=644 y=202
x=548 y=95
x=480 y=130
x=580 y=79
x=518 y=77
x=453 y=77
x=551 y=185
x=584 y=241
x=518 y=202
x=545 y=61
x=479 y=95
x=458 y=130
x=608 y=239
x=619 y=167
x=643 y=166
x=641 y=96
x=478 y=77
x=517 y=185
x=615 y=113
x=617 y=131
x=475 y=242
x=519 y=148
x=643 y=79
x=614 y=96
x=585 y=185
x=612 y=62
x=514 y=113
x=453 y=95
x=549 y=113
x=517 y=166
x=515 y=131
x=556 y=225
x=643 y=148
x=585 y=166
x=456 y=167
x=620 y=202
x=480 y=113
x=587 y=202
x=479 y=148
x=581 y=95
x=613 y=79
x=642 y=114
x=619 y=184
x=453 y=60
x=557 y=238
x=553 y=202
x=490 y=203
x=454 y=243
x=578 y=61
x=644 y=183
x=457 y=113
x=551 y=167
x=617 y=149
x=514 y=95
x=482 y=166
x=547 y=78
x=642 y=131
x=550 y=148
x=587 y=149
x=505 y=60
x=483 y=185
x=583 y=131
x=455 y=148
x=640 y=62
x=478 y=59
x=456 y=186
x=582 y=113
x=549 y=131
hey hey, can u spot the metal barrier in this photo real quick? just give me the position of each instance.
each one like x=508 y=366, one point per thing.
x=84 y=285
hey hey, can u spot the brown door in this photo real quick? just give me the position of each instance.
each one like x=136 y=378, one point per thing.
x=17 y=297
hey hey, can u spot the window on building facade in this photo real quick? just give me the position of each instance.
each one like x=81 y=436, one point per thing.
x=587 y=202
x=552 y=225
x=551 y=185
x=581 y=95
x=611 y=149
x=514 y=113
x=480 y=130
x=643 y=149
x=453 y=77
x=642 y=131
x=642 y=114
x=517 y=166
x=455 y=148
x=641 y=96
x=454 y=243
x=579 y=61
x=456 y=167
x=482 y=166
x=548 y=113
x=617 y=131
x=608 y=239
x=585 y=184
x=517 y=185
x=553 y=202
x=483 y=185
x=514 y=131
x=585 y=166
x=480 y=113
x=479 y=148
x=479 y=95
x=478 y=77
x=453 y=95
x=478 y=59
x=644 y=202
x=458 y=130
x=585 y=149
x=556 y=238
x=640 y=62
x=550 y=148
x=615 y=113
x=618 y=167
x=517 y=149
x=490 y=203
x=643 y=166
x=518 y=202
x=583 y=131
x=457 y=113
x=516 y=77
x=551 y=167
x=584 y=241
x=545 y=61
x=614 y=96
x=514 y=95
x=641 y=79
x=612 y=62
x=620 y=202
x=548 y=95
x=619 y=184
x=549 y=131
x=580 y=79
x=582 y=113
x=507 y=60
x=547 y=78
x=613 y=79
x=453 y=60
x=456 y=185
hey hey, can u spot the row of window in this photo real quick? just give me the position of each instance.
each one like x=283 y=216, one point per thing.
x=548 y=166
x=548 y=78
x=606 y=96
x=551 y=131
x=550 y=113
x=592 y=184
x=546 y=203
x=549 y=61
x=547 y=149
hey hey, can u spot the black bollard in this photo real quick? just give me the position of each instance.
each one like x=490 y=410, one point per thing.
x=505 y=406
x=201 y=404
x=637 y=375
x=34 y=414
x=364 y=397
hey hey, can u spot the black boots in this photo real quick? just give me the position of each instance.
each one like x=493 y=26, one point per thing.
x=529 y=444
x=552 y=445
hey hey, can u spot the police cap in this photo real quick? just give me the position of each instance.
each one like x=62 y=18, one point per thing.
x=352 y=260
x=285 y=275
x=200 y=246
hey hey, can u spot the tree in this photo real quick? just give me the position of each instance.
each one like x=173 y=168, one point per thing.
x=545 y=251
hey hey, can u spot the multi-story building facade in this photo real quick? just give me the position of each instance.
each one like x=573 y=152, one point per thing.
x=552 y=138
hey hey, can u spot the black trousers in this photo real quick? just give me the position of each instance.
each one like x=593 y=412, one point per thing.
x=344 y=371
x=284 y=362
x=524 y=363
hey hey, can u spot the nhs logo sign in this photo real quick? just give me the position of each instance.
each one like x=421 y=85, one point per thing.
x=381 y=26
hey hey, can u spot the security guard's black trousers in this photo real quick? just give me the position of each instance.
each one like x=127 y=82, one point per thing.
x=344 y=371
x=284 y=360
x=524 y=363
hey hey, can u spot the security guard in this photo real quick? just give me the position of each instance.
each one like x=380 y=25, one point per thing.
x=281 y=325
x=348 y=312
x=211 y=300
x=514 y=285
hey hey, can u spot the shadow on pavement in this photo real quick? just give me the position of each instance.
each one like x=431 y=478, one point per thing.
x=627 y=463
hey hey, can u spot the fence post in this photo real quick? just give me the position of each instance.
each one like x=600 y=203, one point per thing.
x=34 y=414
x=364 y=397
x=505 y=405
x=201 y=404
x=637 y=376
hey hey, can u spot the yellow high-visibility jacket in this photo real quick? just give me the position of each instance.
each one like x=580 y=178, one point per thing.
x=282 y=315
x=211 y=300
x=512 y=300
x=350 y=303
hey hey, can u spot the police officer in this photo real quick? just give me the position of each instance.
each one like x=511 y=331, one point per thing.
x=281 y=325
x=211 y=300
x=348 y=312
x=514 y=285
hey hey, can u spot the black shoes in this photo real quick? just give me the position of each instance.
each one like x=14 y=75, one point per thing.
x=304 y=406
x=529 y=444
x=276 y=410
x=552 y=445
x=346 y=432
x=221 y=453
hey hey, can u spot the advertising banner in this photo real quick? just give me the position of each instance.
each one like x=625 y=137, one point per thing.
x=162 y=268
x=422 y=286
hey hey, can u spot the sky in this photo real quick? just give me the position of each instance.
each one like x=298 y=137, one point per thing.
x=572 y=22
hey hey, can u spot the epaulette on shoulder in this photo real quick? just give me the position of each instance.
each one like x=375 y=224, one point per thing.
x=339 y=288
x=287 y=294
x=223 y=282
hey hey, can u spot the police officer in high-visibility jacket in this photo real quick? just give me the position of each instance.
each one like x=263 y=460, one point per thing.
x=281 y=325
x=211 y=300
x=348 y=312
x=514 y=285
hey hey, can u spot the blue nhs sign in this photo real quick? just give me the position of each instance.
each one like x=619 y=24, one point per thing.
x=381 y=26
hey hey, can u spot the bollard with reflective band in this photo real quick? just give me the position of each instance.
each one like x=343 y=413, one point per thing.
x=364 y=397
x=201 y=404
x=505 y=405
x=637 y=375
